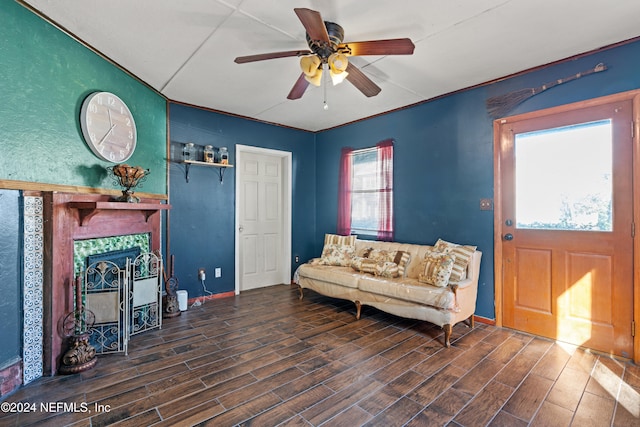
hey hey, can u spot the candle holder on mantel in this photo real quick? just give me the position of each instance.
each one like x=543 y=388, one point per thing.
x=128 y=177
x=80 y=355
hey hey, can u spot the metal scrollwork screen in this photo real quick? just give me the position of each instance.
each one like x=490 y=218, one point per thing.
x=126 y=300
x=145 y=293
x=104 y=290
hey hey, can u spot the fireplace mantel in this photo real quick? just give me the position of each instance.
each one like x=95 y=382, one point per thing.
x=69 y=217
x=89 y=209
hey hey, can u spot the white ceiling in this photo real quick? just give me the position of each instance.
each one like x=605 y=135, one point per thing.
x=185 y=49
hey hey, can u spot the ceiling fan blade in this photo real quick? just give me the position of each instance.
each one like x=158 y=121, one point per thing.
x=313 y=23
x=378 y=47
x=361 y=81
x=272 y=55
x=298 y=88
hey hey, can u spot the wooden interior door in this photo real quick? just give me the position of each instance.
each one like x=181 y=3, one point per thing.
x=567 y=231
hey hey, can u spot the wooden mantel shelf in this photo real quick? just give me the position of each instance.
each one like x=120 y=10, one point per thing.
x=89 y=209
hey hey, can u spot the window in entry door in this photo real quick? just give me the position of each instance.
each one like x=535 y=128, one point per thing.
x=563 y=178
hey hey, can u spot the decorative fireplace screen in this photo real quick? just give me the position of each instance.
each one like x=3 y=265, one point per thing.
x=126 y=300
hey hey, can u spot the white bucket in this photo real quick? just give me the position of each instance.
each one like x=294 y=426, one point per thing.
x=183 y=298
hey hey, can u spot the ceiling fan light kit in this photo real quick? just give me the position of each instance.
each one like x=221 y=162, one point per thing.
x=327 y=51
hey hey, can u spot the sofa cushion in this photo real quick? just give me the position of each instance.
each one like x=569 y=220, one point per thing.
x=410 y=290
x=463 y=255
x=436 y=268
x=343 y=276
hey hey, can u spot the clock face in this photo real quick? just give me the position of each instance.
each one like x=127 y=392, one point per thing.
x=108 y=127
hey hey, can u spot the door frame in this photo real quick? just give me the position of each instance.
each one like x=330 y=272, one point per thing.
x=498 y=221
x=286 y=159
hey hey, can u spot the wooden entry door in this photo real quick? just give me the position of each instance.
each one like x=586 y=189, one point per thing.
x=567 y=226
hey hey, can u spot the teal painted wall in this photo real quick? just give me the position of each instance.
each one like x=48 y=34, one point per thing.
x=10 y=277
x=45 y=77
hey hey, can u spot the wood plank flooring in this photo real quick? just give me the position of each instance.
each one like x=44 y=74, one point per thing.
x=264 y=358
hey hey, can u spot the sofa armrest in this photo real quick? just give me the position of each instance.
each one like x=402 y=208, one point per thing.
x=464 y=283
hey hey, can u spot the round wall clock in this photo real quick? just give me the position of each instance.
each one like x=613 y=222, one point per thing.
x=108 y=127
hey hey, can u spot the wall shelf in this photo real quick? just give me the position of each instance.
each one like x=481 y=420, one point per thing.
x=88 y=210
x=221 y=167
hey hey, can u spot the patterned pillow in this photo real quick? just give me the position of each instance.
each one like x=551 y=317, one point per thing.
x=381 y=255
x=364 y=265
x=387 y=269
x=339 y=240
x=463 y=255
x=335 y=254
x=338 y=250
x=400 y=258
x=436 y=268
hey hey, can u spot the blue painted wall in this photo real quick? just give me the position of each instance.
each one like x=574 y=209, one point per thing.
x=443 y=161
x=202 y=220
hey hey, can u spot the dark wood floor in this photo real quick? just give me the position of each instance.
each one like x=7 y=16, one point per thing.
x=265 y=358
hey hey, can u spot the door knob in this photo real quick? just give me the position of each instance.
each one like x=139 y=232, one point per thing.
x=240 y=229
x=508 y=236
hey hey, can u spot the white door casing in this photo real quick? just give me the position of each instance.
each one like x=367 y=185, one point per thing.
x=263 y=217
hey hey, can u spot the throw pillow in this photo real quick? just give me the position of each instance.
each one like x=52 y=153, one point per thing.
x=463 y=255
x=335 y=254
x=364 y=265
x=339 y=240
x=436 y=268
x=400 y=258
x=338 y=250
x=387 y=269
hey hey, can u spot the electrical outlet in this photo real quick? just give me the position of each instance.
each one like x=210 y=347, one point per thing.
x=486 y=204
x=297 y=259
x=218 y=272
x=202 y=274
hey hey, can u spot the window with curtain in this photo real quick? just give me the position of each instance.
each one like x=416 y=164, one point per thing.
x=366 y=191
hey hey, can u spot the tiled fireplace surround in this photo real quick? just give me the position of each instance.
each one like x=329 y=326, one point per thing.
x=73 y=217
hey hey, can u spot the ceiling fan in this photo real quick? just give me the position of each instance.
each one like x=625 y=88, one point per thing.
x=328 y=52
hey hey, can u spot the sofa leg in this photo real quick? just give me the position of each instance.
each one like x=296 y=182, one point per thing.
x=472 y=322
x=447 y=334
x=358 y=309
x=301 y=294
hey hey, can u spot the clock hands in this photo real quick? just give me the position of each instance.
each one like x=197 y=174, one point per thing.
x=106 y=134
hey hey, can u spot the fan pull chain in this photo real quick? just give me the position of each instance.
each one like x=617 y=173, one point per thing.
x=326 y=83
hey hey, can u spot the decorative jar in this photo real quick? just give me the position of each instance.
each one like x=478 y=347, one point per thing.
x=208 y=154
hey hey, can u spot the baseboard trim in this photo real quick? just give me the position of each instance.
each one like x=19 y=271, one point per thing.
x=484 y=320
x=204 y=298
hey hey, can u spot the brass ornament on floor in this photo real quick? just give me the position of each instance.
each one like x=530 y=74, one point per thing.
x=80 y=355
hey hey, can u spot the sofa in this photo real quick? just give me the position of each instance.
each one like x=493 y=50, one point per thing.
x=420 y=282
